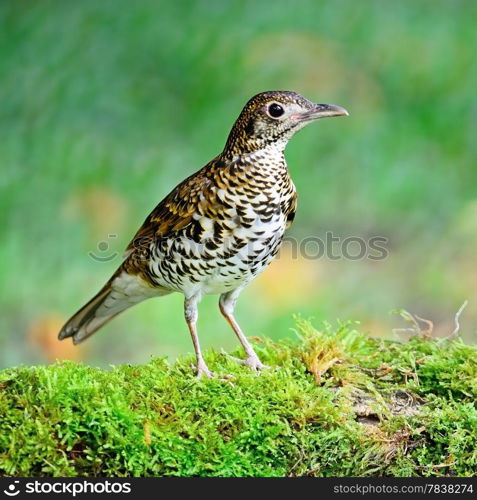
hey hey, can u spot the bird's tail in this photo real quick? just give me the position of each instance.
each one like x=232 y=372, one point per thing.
x=104 y=306
x=122 y=291
x=91 y=317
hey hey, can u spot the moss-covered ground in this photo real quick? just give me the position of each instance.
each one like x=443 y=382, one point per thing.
x=335 y=403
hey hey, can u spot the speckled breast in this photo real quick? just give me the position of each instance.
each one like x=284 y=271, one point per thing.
x=226 y=256
x=231 y=239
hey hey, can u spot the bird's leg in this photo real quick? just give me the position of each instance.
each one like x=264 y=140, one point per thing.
x=227 y=305
x=191 y=314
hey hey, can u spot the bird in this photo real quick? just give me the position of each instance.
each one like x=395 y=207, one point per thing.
x=216 y=230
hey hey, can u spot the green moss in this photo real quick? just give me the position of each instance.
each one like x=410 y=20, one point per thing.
x=337 y=403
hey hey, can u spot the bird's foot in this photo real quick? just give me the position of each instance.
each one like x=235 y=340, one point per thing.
x=252 y=362
x=202 y=370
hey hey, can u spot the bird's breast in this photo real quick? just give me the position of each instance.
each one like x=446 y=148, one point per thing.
x=218 y=255
x=235 y=232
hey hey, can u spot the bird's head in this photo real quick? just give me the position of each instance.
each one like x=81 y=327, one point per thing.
x=272 y=118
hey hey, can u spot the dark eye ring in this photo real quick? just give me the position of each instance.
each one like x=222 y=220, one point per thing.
x=275 y=110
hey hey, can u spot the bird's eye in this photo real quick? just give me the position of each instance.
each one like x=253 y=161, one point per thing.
x=275 y=110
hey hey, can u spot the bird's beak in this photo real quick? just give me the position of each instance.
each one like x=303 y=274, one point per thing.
x=322 y=111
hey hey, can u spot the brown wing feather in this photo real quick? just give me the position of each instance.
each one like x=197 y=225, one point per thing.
x=173 y=213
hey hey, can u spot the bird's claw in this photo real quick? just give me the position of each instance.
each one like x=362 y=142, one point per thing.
x=252 y=362
x=203 y=371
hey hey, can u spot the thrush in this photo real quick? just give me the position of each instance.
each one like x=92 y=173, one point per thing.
x=218 y=229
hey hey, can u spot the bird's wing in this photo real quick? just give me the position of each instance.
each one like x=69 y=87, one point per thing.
x=175 y=212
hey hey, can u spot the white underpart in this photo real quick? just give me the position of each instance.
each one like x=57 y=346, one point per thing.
x=126 y=291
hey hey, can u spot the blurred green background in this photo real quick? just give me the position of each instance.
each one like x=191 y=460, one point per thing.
x=106 y=106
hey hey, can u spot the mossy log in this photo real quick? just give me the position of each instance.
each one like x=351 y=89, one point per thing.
x=335 y=403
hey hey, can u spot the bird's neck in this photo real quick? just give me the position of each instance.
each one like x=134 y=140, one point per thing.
x=269 y=154
x=239 y=143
